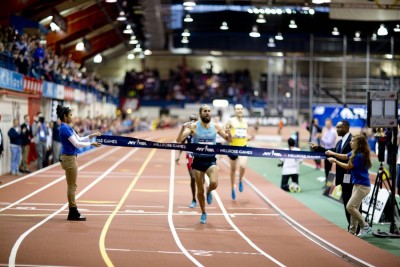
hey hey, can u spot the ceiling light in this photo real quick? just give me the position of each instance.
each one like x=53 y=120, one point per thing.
x=388 y=56
x=311 y=11
x=128 y=29
x=279 y=36
x=137 y=49
x=98 y=58
x=335 y=31
x=357 y=37
x=224 y=26
x=189 y=3
x=133 y=41
x=184 y=40
x=186 y=33
x=292 y=24
x=54 y=27
x=254 y=32
x=188 y=18
x=288 y=10
x=147 y=52
x=131 y=56
x=279 y=12
x=382 y=30
x=250 y=10
x=121 y=16
x=216 y=53
x=261 y=19
x=397 y=29
x=80 y=46
x=271 y=42
x=373 y=37
x=111 y=1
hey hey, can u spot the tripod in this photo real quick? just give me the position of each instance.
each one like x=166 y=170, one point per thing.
x=380 y=178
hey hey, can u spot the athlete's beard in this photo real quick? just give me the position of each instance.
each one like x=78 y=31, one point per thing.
x=205 y=119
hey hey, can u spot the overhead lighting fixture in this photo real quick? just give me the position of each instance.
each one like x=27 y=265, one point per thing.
x=292 y=24
x=397 y=28
x=374 y=37
x=357 y=37
x=80 y=46
x=335 y=31
x=189 y=3
x=261 y=19
x=137 y=49
x=131 y=56
x=111 y=1
x=188 y=18
x=185 y=40
x=318 y=2
x=54 y=27
x=271 y=42
x=224 y=26
x=311 y=11
x=147 y=52
x=382 y=30
x=388 y=56
x=254 y=32
x=216 y=53
x=128 y=29
x=133 y=40
x=186 y=33
x=121 y=16
x=98 y=58
x=279 y=36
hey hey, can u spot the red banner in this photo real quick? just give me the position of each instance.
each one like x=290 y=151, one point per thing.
x=69 y=93
x=32 y=85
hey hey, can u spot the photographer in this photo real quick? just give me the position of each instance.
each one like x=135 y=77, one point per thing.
x=40 y=133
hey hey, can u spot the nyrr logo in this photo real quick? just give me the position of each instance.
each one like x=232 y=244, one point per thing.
x=132 y=143
x=205 y=149
x=137 y=142
x=272 y=154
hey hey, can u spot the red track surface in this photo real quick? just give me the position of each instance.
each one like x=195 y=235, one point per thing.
x=136 y=201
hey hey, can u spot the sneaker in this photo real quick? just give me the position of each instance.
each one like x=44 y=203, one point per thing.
x=233 y=194
x=203 y=218
x=364 y=231
x=193 y=205
x=240 y=186
x=209 y=198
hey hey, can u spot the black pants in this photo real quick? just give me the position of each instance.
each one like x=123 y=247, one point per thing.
x=285 y=180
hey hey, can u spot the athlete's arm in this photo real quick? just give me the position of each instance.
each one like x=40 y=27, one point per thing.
x=226 y=134
x=184 y=132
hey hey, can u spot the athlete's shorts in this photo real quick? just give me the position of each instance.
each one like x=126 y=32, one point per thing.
x=233 y=157
x=203 y=163
x=189 y=161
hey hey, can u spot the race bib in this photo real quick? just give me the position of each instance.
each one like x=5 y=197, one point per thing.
x=241 y=132
x=346 y=178
x=42 y=134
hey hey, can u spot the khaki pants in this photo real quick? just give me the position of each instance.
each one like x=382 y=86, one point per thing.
x=70 y=165
x=24 y=160
x=353 y=206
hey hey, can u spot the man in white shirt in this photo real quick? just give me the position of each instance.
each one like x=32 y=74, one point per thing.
x=328 y=141
x=290 y=168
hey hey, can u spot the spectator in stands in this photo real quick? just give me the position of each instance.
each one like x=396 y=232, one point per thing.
x=26 y=132
x=15 y=136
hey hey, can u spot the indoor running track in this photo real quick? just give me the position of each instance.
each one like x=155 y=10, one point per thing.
x=136 y=202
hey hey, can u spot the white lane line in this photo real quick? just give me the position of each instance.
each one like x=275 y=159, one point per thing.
x=304 y=231
x=205 y=253
x=248 y=240
x=57 y=180
x=170 y=213
x=39 y=171
x=13 y=254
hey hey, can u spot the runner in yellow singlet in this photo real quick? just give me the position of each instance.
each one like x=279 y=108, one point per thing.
x=239 y=131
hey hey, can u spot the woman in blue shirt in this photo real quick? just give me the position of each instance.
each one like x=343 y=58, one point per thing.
x=70 y=142
x=358 y=164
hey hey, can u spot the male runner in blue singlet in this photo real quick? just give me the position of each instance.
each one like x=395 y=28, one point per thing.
x=204 y=132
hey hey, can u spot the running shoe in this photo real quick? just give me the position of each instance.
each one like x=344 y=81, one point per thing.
x=240 y=186
x=209 y=198
x=233 y=194
x=193 y=205
x=364 y=231
x=203 y=218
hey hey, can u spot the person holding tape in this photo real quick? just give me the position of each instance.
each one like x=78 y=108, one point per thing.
x=70 y=142
x=189 y=161
x=204 y=132
x=358 y=162
x=239 y=131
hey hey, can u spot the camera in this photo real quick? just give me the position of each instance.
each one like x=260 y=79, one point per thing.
x=41 y=119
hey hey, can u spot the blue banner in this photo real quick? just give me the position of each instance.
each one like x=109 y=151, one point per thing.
x=11 y=80
x=356 y=115
x=109 y=140
x=49 y=90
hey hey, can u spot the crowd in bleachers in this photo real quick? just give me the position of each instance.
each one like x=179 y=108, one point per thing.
x=28 y=55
